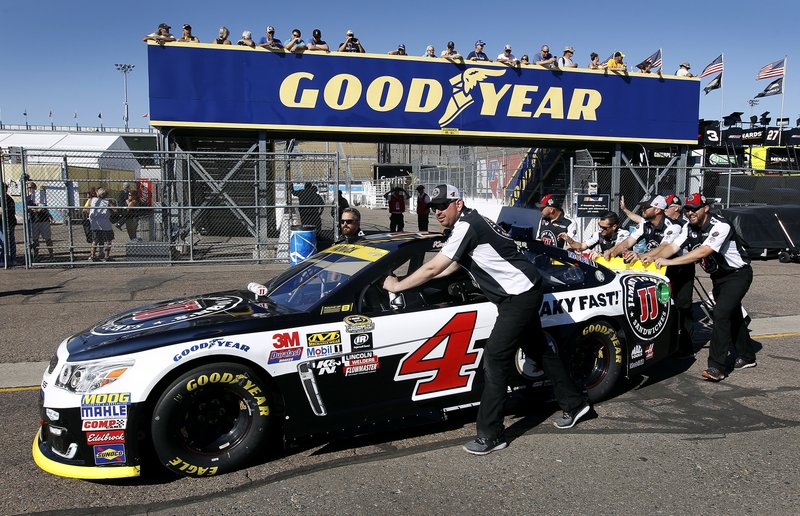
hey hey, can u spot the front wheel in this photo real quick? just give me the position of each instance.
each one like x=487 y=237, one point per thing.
x=596 y=359
x=211 y=420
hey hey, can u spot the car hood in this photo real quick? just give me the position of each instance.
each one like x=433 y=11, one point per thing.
x=177 y=320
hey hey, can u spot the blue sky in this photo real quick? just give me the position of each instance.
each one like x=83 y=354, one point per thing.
x=59 y=56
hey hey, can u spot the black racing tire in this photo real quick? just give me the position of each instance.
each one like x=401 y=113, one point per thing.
x=211 y=420
x=596 y=359
x=784 y=257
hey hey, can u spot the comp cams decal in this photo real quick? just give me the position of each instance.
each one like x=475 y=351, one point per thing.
x=646 y=304
x=167 y=315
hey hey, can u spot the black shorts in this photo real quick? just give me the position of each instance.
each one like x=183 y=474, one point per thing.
x=102 y=236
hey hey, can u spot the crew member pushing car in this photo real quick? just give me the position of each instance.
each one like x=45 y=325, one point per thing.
x=712 y=241
x=511 y=281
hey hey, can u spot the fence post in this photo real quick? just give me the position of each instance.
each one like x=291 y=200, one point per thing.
x=728 y=200
x=616 y=162
x=6 y=226
x=70 y=208
x=191 y=203
x=26 y=224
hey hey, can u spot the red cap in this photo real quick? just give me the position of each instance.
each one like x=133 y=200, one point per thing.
x=673 y=199
x=548 y=200
x=696 y=200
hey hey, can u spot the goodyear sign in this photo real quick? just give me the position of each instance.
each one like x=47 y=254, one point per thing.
x=239 y=87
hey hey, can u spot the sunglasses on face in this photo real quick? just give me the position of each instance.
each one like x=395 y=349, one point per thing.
x=603 y=228
x=347 y=221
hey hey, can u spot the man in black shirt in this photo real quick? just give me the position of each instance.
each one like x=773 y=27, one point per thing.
x=712 y=241
x=554 y=223
x=511 y=281
x=478 y=54
x=349 y=226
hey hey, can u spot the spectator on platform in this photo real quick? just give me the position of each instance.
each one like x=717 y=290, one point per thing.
x=430 y=51
x=351 y=44
x=296 y=44
x=594 y=62
x=450 y=52
x=524 y=59
x=683 y=70
x=222 y=39
x=270 y=41
x=247 y=40
x=161 y=35
x=477 y=54
x=507 y=57
x=187 y=36
x=316 y=43
x=565 y=61
x=400 y=51
x=545 y=58
x=615 y=63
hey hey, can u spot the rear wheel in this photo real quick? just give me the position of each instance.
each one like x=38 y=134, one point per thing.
x=211 y=420
x=596 y=360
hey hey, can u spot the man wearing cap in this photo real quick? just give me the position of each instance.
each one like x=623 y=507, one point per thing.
x=316 y=43
x=351 y=44
x=648 y=233
x=161 y=35
x=507 y=56
x=681 y=277
x=270 y=41
x=400 y=51
x=396 y=199
x=477 y=54
x=511 y=281
x=450 y=52
x=554 y=223
x=545 y=58
x=565 y=61
x=712 y=241
x=615 y=63
x=423 y=208
x=608 y=235
x=683 y=70
x=187 y=36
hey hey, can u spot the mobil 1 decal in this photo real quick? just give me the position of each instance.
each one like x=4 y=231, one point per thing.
x=646 y=305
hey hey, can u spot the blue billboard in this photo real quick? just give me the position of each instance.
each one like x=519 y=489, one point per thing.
x=233 y=87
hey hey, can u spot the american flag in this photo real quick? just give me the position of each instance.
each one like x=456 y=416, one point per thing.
x=771 y=70
x=716 y=66
x=654 y=60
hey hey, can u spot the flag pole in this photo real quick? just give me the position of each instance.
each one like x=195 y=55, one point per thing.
x=783 y=94
x=722 y=92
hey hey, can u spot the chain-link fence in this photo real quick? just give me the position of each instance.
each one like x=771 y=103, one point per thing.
x=81 y=207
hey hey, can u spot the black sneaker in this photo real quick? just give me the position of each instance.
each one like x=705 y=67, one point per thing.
x=743 y=364
x=713 y=374
x=569 y=419
x=684 y=355
x=484 y=446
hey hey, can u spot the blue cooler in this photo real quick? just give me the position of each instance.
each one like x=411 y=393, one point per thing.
x=302 y=243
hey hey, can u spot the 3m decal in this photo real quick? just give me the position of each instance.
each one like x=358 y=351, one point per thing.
x=110 y=437
x=444 y=364
x=646 y=307
x=109 y=454
x=286 y=340
x=324 y=338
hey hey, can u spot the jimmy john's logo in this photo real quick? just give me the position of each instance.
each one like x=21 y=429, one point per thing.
x=646 y=305
x=303 y=90
x=324 y=338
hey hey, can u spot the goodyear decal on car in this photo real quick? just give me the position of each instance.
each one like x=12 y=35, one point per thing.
x=360 y=252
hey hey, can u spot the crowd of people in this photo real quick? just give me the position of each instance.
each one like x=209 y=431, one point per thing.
x=351 y=43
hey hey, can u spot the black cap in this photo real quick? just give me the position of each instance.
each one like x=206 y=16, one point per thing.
x=317 y=33
x=548 y=200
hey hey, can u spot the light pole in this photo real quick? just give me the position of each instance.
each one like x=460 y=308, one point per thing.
x=125 y=69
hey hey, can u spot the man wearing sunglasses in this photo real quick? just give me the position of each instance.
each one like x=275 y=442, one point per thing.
x=511 y=281
x=349 y=226
x=608 y=235
x=713 y=242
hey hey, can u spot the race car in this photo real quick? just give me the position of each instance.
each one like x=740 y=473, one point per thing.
x=208 y=384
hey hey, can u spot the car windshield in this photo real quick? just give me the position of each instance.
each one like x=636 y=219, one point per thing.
x=318 y=277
